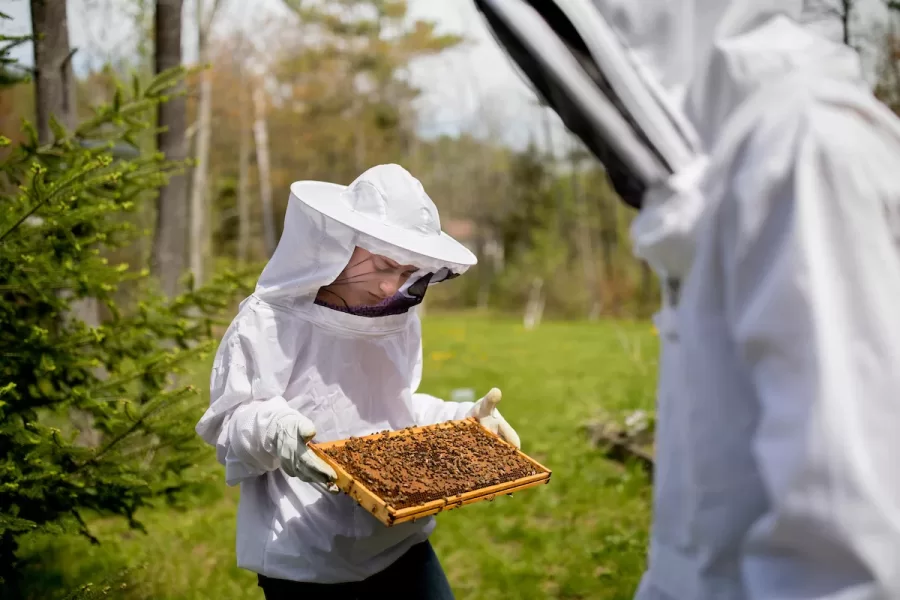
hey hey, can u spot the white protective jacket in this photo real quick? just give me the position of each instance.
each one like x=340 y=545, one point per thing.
x=779 y=246
x=350 y=375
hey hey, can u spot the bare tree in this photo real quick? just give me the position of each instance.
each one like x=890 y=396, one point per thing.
x=841 y=9
x=585 y=244
x=55 y=99
x=846 y=15
x=609 y=236
x=243 y=191
x=888 y=84
x=199 y=230
x=170 y=236
x=534 y=308
x=261 y=135
x=54 y=76
x=55 y=94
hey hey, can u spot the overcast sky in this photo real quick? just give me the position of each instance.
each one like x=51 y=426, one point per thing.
x=460 y=86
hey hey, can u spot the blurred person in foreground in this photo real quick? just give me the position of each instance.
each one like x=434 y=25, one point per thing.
x=329 y=346
x=767 y=179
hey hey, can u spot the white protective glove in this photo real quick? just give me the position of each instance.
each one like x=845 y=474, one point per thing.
x=485 y=410
x=292 y=432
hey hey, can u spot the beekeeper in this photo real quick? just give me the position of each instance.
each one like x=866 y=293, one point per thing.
x=326 y=348
x=766 y=175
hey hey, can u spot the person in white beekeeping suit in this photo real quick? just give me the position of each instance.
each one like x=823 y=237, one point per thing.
x=765 y=173
x=327 y=347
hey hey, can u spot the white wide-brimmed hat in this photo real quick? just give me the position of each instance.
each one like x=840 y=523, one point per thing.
x=387 y=203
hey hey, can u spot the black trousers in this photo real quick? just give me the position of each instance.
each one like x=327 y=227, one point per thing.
x=417 y=575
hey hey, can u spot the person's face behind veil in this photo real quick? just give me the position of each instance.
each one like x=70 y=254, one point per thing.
x=367 y=280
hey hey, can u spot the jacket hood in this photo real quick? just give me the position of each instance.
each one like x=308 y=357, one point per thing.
x=649 y=86
x=709 y=55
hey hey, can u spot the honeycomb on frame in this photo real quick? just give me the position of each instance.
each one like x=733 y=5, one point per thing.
x=405 y=475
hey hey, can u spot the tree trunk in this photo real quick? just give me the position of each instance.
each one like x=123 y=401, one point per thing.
x=586 y=247
x=608 y=231
x=199 y=183
x=55 y=95
x=359 y=147
x=485 y=273
x=262 y=160
x=199 y=227
x=534 y=308
x=243 y=191
x=170 y=236
x=846 y=15
x=646 y=286
x=54 y=78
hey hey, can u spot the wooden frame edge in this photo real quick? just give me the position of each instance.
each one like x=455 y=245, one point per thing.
x=388 y=515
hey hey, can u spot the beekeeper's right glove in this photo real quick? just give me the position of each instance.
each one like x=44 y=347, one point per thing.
x=485 y=410
x=292 y=432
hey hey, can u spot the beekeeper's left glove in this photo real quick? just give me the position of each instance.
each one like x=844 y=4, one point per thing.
x=485 y=410
x=291 y=433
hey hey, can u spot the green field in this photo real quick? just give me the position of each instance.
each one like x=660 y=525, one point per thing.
x=581 y=536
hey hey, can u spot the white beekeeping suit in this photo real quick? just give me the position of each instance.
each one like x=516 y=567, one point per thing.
x=286 y=356
x=771 y=210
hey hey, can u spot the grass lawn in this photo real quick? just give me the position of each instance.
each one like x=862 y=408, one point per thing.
x=581 y=536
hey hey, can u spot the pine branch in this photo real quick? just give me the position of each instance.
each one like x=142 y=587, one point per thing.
x=84 y=528
x=85 y=191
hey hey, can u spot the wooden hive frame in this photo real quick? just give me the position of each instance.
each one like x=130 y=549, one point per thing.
x=389 y=515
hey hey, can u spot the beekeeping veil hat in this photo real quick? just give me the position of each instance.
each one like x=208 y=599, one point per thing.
x=648 y=85
x=385 y=211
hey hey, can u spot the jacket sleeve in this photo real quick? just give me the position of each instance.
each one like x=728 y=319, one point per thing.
x=427 y=409
x=249 y=376
x=809 y=239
